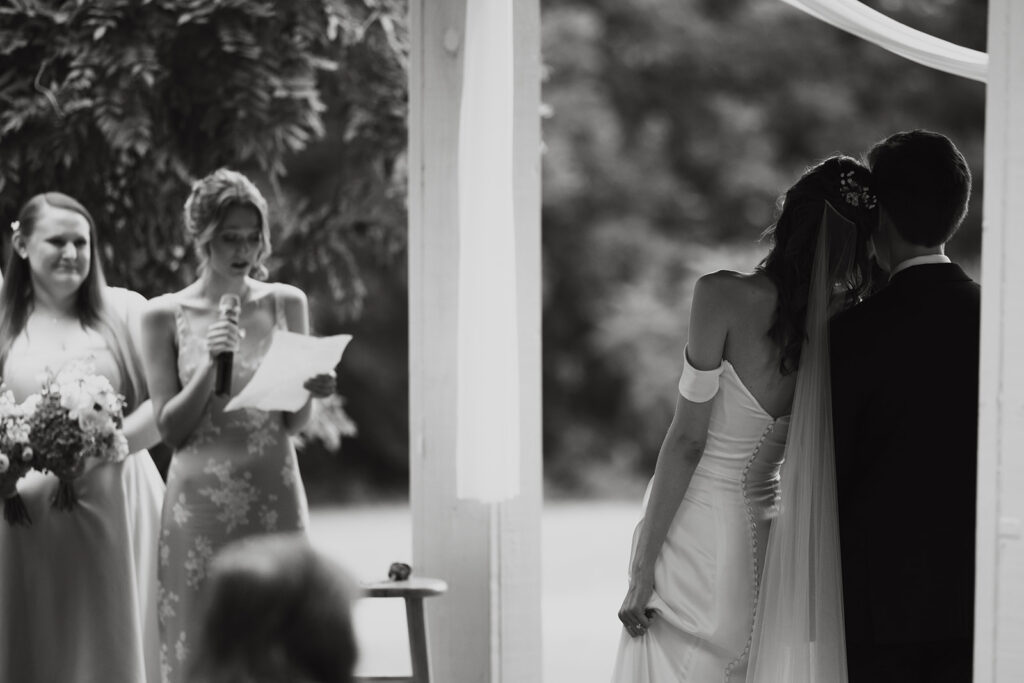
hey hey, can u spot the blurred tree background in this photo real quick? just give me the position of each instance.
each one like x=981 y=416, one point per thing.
x=671 y=126
x=123 y=103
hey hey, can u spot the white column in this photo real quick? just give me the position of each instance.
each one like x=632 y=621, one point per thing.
x=999 y=602
x=487 y=628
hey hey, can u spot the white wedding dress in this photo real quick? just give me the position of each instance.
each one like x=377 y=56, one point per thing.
x=747 y=585
x=707 y=573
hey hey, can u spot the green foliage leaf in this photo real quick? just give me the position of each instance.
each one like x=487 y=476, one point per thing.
x=122 y=104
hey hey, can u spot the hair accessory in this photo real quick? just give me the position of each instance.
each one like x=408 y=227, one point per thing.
x=15 y=225
x=855 y=194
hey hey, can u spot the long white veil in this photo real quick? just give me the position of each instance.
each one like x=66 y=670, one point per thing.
x=798 y=628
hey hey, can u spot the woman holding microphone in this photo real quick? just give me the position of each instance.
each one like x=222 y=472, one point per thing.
x=232 y=474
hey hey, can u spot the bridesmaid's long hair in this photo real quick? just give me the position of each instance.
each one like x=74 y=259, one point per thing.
x=844 y=183
x=92 y=305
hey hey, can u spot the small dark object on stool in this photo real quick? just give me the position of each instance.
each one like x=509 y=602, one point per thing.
x=399 y=571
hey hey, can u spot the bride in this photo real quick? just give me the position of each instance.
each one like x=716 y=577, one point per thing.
x=753 y=393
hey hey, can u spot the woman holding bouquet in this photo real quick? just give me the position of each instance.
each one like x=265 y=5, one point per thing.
x=233 y=474
x=77 y=587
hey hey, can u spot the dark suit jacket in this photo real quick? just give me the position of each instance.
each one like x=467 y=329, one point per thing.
x=905 y=409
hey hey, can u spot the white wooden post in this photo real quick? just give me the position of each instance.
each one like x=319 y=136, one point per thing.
x=999 y=601
x=487 y=628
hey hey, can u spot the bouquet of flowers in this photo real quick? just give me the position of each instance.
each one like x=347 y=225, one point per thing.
x=78 y=416
x=16 y=455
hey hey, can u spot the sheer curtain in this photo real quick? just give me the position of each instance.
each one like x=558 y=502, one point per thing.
x=488 y=392
x=864 y=22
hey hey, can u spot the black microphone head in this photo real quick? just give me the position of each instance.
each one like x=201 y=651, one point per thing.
x=230 y=307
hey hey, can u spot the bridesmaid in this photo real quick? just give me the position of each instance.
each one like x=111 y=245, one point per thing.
x=232 y=474
x=77 y=588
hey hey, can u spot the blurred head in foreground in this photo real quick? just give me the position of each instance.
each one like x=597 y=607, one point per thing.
x=275 y=610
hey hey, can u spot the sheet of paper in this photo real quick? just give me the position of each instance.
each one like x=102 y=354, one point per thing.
x=291 y=360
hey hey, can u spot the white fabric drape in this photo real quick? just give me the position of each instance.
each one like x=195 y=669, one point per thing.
x=488 y=392
x=799 y=635
x=918 y=46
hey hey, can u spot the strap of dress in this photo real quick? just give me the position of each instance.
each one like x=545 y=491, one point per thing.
x=181 y=325
x=280 y=321
x=696 y=385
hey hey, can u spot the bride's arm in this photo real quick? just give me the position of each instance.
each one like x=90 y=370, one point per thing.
x=680 y=452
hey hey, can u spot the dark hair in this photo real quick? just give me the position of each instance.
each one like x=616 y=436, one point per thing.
x=794 y=238
x=275 y=609
x=923 y=183
x=91 y=303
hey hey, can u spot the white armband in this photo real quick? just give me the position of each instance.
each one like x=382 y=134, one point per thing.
x=696 y=385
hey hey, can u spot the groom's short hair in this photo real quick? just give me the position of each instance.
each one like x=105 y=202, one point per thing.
x=923 y=183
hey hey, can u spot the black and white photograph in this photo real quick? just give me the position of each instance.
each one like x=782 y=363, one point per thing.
x=511 y=341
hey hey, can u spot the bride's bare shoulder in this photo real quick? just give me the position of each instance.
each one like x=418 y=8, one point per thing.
x=733 y=298
x=728 y=287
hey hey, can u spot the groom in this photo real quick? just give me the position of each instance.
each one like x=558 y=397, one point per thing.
x=905 y=406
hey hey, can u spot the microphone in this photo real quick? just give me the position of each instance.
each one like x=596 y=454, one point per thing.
x=230 y=307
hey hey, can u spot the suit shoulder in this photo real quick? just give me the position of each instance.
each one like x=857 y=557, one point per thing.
x=854 y=316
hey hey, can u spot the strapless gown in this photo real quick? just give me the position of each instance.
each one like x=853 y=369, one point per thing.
x=707 y=574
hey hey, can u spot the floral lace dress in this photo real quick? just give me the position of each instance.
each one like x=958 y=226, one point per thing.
x=236 y=476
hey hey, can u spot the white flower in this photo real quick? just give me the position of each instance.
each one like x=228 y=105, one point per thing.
x=18 y=431
x=96 y=422
x=7 y=404
x=74 y=400
x=29 y=405
x=120 y=446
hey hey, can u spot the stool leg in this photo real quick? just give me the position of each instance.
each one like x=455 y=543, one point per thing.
x=416 y=621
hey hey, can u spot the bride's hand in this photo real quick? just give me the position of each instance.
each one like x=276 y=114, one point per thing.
x=634 y=614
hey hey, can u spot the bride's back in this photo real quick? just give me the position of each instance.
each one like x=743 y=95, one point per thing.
x=748 y=302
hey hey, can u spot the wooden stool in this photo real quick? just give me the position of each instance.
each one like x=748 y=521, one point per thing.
x=413 y=591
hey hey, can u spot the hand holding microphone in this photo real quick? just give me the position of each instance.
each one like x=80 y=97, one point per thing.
x=222 y=340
